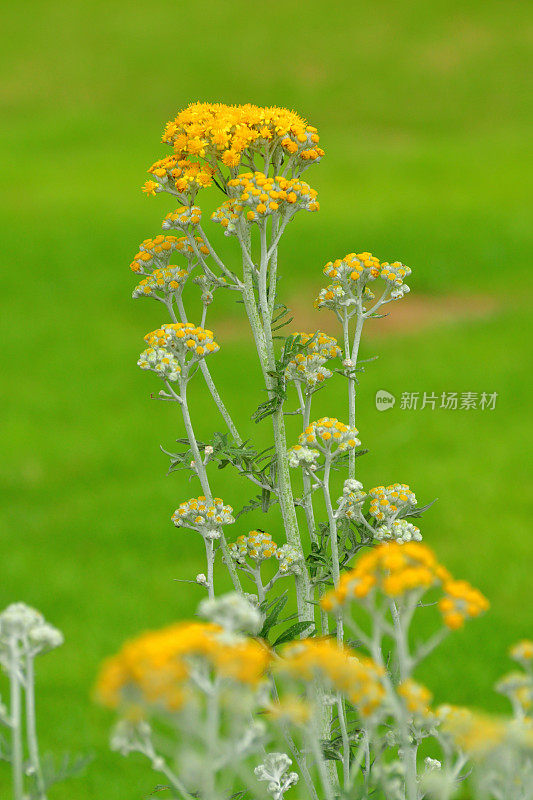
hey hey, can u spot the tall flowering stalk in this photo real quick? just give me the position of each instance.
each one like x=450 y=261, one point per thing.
x=210 y=702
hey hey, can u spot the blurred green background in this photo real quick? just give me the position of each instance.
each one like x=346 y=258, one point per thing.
x=422 y=110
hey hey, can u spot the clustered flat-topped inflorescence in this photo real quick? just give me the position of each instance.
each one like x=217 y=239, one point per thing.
x=256 y=679
x=231 y=132
x=158 y=668
x=404 y=571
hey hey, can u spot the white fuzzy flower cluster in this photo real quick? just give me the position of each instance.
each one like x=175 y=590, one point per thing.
x=290 y=559
x=400 y=530
x=301 y=456
x=309 y=367
x=130 y=737
x=522 y=652
x=329 y=436
x=183 y=341
x=28 y=630
x=161 y=282
x=275 y=770
x=160 y=361
x=518 y=687
x=393 y=274
x=389 y=501
x=199 y=516
x=182 y=217
x=233 y=613
x=353 y=497
x=257 y=546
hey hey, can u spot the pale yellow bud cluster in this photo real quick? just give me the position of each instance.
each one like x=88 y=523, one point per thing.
x=309 y=367
x=161 y=282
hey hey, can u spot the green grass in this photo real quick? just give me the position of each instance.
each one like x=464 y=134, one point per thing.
x=422 y=115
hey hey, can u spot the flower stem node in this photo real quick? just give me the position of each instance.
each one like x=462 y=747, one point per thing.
x=275 y=770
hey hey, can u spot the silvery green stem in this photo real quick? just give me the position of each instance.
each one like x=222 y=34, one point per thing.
x=351 y=353
x=31 y=729
x=207 y=375
x=212 y=731
x=159 y=764
x=202 y=475
x=409 y=748
x=16 y=721
x=345 y=741
x=296 y=752
x=210 y=556
x=324 y=774
x=259 y=583
x=265 y=351
x=333 y=541
x=305 y=407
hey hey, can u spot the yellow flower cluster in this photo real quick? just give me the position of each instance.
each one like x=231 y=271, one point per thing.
x=327 y=433
x=388 y=501
x=353 y=267
x=351 y=274
x=198 y=515
x=417 y=698
x=398 y=569
x=258 y=546
x=183 y=338
x=360 y=679
x=182 y=217
x=309 y=367
x=290 y=709
x=157 y=252
x=474 y=734
x=257 y=197
x=165 y=280
x=154 y=669
x=461 y=602
x=393 y=274
x=179 y=176
x=219 y=132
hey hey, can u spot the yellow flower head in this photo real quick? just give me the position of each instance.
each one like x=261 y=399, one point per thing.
x=227 y=134
x=475 y=734
x=396 y=570
x=329 y=435
x=338 y=667
x=183 y=339
x=153 y=670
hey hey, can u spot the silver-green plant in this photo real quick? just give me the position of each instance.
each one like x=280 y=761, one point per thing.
x=24 y=635
x=225 y=708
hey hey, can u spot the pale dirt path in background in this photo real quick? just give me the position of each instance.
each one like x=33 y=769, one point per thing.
x=414 y=313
